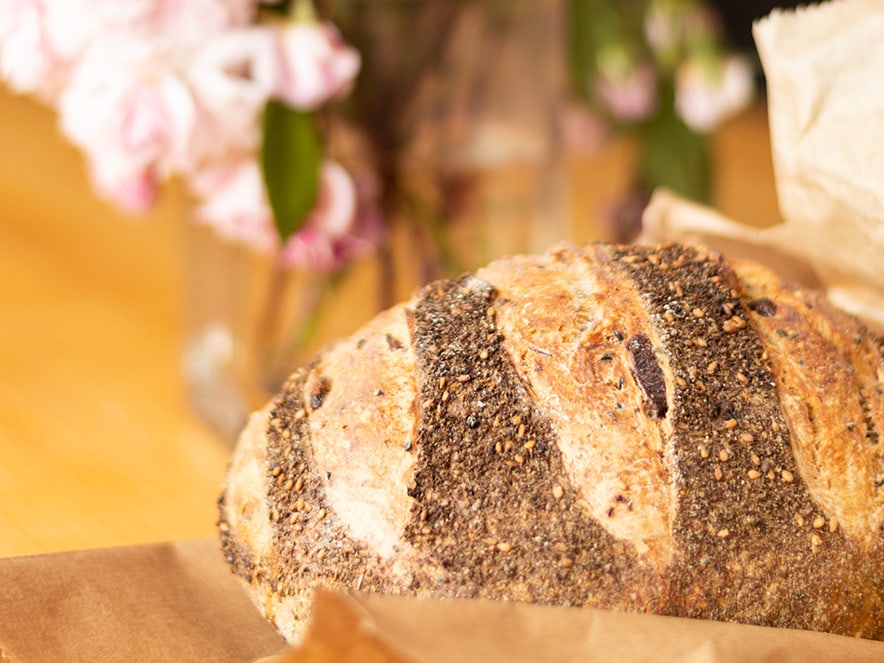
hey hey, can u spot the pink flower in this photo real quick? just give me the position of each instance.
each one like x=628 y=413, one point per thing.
x=170 y=26
x=41 y=41
x=232 y=77
x=706 y=94
x=344 y=225
x=128 y=118
x=148 y=88
x=629 y=94
x=234 y=203
x=191 y=21
x=29 y=61
x=130 y=191
x=315 y=64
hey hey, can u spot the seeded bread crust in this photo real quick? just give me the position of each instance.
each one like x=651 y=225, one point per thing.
x=645 y=429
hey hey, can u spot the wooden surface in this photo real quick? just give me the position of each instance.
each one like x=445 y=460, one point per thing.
x=97 y=444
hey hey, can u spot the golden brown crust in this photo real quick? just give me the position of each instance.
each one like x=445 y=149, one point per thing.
x=829 y=373
x=363 y=428
x=645 y=429
x=568 y=317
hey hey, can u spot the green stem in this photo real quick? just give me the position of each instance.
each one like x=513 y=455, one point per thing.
x=268 y=324
x=303 y=11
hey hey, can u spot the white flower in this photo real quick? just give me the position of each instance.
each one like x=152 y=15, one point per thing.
x=707 y=96
x=315 y=64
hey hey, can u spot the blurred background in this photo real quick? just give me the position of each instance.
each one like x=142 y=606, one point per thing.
x=182 y=224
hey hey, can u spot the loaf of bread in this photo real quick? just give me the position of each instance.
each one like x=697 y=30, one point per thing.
x=646 y=429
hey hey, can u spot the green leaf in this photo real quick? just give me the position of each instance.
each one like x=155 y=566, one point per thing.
x=291 y=154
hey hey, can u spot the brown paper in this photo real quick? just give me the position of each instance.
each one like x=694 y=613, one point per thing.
x=179 y=602
x=170 y=602
x=825 y=78
x=387 y=629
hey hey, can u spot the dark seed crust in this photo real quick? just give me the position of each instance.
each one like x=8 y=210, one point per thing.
x=493 y=506
x=741 y=560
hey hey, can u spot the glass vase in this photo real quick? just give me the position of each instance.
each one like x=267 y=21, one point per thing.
x=456 y=109
x=249 y=322
x=455 y=132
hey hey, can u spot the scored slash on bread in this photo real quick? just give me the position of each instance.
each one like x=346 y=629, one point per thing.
x=646 y=429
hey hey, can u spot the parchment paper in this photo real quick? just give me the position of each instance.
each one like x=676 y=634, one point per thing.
x=351 y=628
x=824 y=66
x=179 y=603
x=171 y=602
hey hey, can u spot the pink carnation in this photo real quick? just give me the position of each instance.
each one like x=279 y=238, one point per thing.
x=229 y=101
x=342 y=225
x=130 y=191
x=42 y=41
x=29 y=60
x=234 y=203
x=148 y=88
x=315 y=64
x=129 y=121
x=169 y=26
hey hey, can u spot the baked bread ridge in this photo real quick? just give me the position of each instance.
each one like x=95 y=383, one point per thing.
x=638 y=428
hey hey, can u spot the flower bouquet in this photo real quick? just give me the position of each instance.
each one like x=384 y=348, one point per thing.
x=301 y=130
x=223 y=95
x=306 y=131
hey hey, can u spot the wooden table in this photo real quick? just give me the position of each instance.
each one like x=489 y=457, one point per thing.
x=97 y=444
